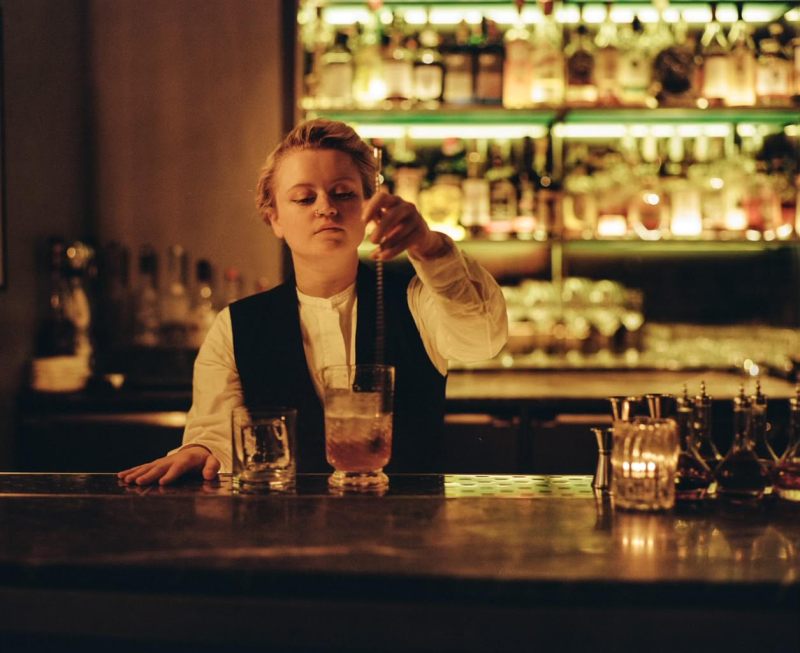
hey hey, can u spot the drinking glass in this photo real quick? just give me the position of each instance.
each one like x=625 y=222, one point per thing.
x=358 y=424
x=264 y=454
x=644 y=459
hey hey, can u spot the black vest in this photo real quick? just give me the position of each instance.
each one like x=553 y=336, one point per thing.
x=268 y=347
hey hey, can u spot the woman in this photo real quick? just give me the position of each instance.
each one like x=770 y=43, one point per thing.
x=317 y=191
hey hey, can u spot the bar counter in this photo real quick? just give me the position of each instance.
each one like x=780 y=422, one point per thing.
x=439 y=563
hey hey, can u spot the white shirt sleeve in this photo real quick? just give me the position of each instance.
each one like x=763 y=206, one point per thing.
x=458 y=308
x=216 y=391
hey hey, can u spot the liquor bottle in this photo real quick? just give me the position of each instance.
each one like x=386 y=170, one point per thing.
x=203 y=310
x=702 y=436
x=715 y=57
x=336 y=75
x=761 y=430
x=489 y=69
x=634 y=74
x=369 y=86
x=607 y=61
x=175 y=302
x=581 y=89
x=518 y=65
x=428 y=69
x=527 y=225
x=458 y=70
x=441 y=202
x=56 y=333
x=502 y=191
x=398 y=66
x=548 y=60
x=78 y=307
x=684 y=198
x=476 y=209
x=147 y=312
x=648 y=211
x=674 y=69
x=114 y=320
x=741 y=64
x=408 y=171
x=233 y=288
x=741 y=476
x=693 y=477
x=787 y=477
x=773 y=70
x=796 y=59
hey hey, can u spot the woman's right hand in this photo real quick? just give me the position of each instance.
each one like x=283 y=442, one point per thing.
x=170 y=468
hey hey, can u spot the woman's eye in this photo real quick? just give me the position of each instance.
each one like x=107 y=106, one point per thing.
x=344 y=195
x=304 y=200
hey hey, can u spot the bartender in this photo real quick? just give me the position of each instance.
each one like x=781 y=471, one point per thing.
x=317 y=191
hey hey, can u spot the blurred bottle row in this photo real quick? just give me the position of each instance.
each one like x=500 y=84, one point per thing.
x=630 y=187
x=93 y=307
x=538 y=62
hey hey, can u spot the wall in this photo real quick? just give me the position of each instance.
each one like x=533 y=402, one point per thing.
x=45 y=175
x=138 y=121
x=187 y=102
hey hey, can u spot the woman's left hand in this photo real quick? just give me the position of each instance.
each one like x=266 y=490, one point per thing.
x=399 y=227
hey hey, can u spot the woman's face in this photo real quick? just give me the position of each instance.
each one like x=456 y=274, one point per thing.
x=318 y=202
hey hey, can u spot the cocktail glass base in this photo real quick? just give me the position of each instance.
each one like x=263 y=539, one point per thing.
x=260 y=482
x=374 y=481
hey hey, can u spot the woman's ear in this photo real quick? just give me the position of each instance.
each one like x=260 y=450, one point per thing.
x=271 y=219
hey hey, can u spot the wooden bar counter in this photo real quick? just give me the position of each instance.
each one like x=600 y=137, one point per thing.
x=439 y=563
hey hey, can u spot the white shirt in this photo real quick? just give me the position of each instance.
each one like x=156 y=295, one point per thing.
x=457 y=306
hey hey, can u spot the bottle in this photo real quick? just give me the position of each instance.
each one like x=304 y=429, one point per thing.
x=147 y=313
x=398 y=68
x=476 y=209
x=336 y=75
x=441 y=202
x=693 y=477
x=369 y=86
x=701 y=433
x=674 y=69
x=428 y=69
x=78 y=307
x=56 y=333
x=458 y=69
x=715 y=56
x=115 y=319
x=648 y=211
x=175 y=303
x=234 y=286
x=684 y=198
x=741 y=476
x=581 y=88
x=741 y=64
x=502 y=191
x=548 y=60
x=634 y=73
x=203 y=310
x=607 y=62
x=773 y=70
x=489 y=70
x=518 y=64
x=787 y=477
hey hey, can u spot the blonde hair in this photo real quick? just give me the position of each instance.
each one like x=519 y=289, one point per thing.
x=318 y=134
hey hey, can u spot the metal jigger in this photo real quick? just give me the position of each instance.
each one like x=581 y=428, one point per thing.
x=622 y=408
x=660 y=406
x=602 y=476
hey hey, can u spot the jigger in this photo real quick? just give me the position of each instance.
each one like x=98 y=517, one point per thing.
x=660 y=406
x=602 y=475
x=622 y=407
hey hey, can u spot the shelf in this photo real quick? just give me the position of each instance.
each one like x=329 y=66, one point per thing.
x=497 y=123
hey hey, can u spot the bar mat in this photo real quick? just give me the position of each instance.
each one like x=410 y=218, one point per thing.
x=517 y=486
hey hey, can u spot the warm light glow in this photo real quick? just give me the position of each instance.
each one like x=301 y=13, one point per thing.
x=716 y=183
x=651 y=198
x=735 y=220
x=688 y=225
x=607 y=130
x=612 y=226
x=460 y=130
x=785 y=231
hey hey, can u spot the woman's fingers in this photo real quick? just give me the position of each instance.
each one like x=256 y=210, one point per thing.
x=211 y=468
x=399 y=240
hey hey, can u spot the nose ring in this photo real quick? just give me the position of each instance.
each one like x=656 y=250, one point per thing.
x=327 y=213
